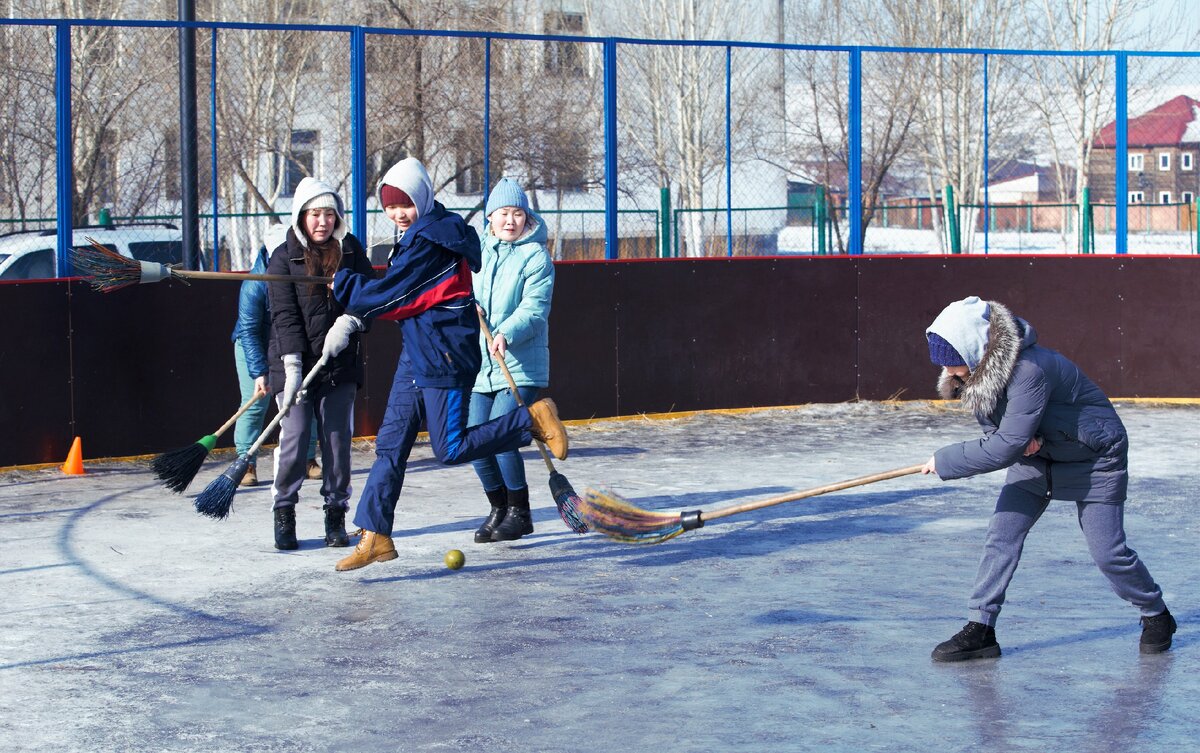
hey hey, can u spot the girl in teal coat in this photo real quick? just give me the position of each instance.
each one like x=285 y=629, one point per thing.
x=513 y=290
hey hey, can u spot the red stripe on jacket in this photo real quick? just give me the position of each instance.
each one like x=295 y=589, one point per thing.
x=452 y=288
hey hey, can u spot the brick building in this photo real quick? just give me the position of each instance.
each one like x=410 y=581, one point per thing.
x=1163 y=148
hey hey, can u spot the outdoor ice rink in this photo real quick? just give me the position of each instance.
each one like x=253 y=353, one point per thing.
x=130 y=623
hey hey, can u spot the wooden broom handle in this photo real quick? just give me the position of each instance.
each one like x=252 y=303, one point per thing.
x=512 y=383
x=233 y=419
x=238 y=276
x=860 y=481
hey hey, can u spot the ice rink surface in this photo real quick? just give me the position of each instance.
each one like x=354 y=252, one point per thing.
x=130 y=623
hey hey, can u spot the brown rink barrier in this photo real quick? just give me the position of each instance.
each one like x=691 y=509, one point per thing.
x=150 y=368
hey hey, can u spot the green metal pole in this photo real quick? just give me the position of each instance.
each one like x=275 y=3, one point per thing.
x=951 y=212
x=1196 y=222
x=664 y=213
x=1085 y=221
x=819 y=219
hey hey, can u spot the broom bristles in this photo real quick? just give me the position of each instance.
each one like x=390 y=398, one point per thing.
x=105 y=270
x=177 y=468
x=567 y=502
x=612 y=516
x=217 y=498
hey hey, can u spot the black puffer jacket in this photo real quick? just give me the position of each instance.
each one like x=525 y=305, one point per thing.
x=301 y=314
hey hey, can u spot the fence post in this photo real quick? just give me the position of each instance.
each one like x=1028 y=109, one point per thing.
x=188 y=150
x=728 y=152
x=819 y=219
x=854 y=150
x=950 y=210
x=62 y=137
x=664 y=213
x=358 y=135
x=1085 y=222
x=611 y=240
x=1122 y=152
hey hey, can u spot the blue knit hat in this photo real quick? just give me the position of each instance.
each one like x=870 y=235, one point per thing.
x=506 y=194
x=943 y=353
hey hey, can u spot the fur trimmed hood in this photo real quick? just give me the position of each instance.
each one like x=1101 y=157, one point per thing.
x=1007 y=336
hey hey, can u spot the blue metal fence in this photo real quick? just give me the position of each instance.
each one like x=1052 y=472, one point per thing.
x=620 y=186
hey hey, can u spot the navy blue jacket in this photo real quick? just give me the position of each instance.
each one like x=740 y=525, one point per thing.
x=427 y=289
x=253 y=326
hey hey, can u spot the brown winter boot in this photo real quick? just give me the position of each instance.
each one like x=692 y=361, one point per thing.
x=372 y=547
x=547 y=428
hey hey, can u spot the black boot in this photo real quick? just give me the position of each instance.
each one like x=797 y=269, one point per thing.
x=1157 y=632
x=285 y=528
x=975 y=641
x=335 y=526
x=517 y=522
x=499 y=501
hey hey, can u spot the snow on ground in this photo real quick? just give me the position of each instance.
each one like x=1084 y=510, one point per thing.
x=799 y=240
x=132 y=624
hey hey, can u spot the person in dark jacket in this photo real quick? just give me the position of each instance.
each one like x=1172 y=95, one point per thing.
x=1059 y=437
x=303 y=317
x=427 y=289
x=250 y=335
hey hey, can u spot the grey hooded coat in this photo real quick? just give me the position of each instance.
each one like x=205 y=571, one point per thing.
x=1020 y=390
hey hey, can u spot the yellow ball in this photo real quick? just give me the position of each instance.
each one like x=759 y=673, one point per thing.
x=455 y=559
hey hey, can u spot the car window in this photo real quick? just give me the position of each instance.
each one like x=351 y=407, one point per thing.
x=35 y=265
x=163 y=252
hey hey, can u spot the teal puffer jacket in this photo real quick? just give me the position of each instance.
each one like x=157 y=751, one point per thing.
x=514 y=289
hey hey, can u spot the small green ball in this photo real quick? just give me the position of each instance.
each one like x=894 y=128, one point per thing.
x=455 y=559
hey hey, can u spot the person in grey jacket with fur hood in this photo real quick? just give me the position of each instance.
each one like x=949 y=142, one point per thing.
x=1059 y=437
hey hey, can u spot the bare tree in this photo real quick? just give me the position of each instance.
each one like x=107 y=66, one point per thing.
x=1074 y=96
x=818 y=120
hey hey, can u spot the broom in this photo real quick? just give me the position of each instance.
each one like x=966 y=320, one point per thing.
x=614 y=517
x=177 y=468
x=565 y=498
x=107 y=271
x=217 y=498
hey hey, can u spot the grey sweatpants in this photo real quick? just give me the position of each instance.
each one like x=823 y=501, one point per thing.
x=1103 y=526
x=334 y=409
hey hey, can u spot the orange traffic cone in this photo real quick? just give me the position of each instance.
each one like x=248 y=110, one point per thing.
x=74 y=464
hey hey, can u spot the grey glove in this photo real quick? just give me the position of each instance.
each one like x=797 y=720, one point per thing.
x=293 y=369
x=338 y=336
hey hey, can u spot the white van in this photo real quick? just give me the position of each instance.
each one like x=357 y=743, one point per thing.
x=31 y=255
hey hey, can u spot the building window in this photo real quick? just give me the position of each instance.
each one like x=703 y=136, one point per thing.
x=1185 y=161
x=564 y=58
x=300 y=161
x=1137 y=162
x=1136 y=197
x=1187 y=197
x=1164 y=197
x=1164 y=161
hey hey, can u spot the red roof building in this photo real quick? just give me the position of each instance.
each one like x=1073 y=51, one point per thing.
x=1163 y=148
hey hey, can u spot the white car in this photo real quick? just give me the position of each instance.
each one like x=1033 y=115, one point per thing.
x=31 y=255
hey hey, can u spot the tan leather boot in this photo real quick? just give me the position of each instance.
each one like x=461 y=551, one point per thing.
x=547 y=428
x=372 y=547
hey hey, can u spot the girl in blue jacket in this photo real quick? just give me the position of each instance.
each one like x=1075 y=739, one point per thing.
x=513 y=289
x=427 y=289
x=1059 y=437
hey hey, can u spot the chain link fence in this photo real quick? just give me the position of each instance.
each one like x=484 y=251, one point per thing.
x=626 y=148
